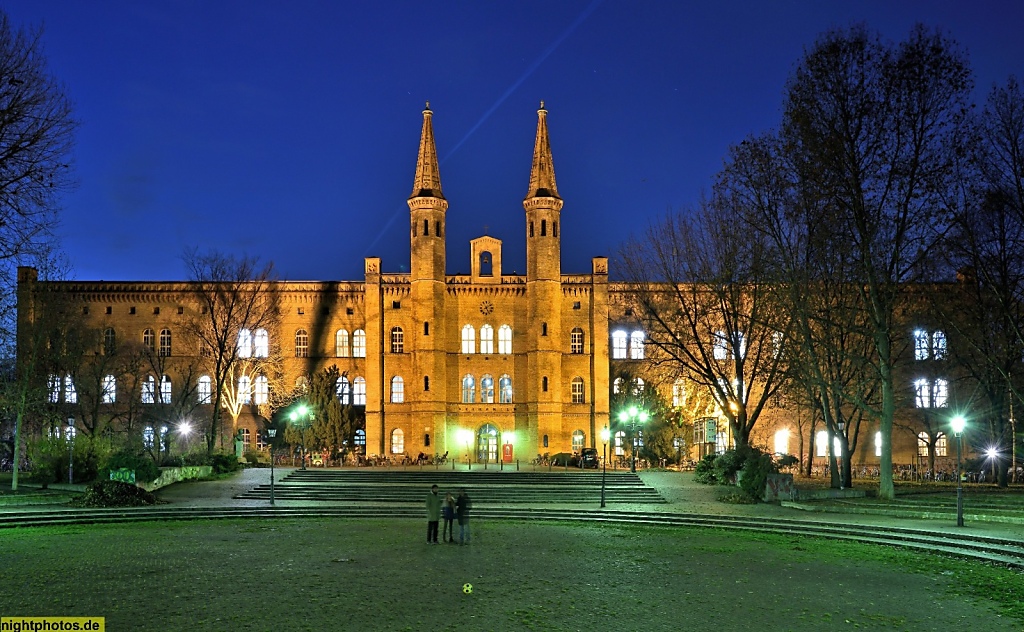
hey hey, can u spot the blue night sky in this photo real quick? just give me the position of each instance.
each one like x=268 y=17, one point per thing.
x=289 y=130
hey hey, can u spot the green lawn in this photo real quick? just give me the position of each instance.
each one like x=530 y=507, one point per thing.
x=337 y=574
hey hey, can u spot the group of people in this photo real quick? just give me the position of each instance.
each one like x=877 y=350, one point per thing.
x=451 y=509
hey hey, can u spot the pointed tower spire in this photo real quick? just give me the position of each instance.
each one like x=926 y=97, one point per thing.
x=428 y=177
x=542 y=174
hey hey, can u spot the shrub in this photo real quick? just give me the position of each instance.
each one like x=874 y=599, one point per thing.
x=704 y=472
x=786 y=461
x=145 y=468
x=756 y=468
x=197 y=458
x=223 y=462
x=727 y=464
x=50 y=458
x=114 y=494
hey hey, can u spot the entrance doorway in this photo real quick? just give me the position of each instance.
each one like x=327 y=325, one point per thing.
x=487 y=444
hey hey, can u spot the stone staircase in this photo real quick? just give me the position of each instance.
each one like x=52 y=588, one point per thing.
x=484 y=487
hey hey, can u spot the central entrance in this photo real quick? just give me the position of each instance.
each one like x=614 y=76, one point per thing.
x=487 y=444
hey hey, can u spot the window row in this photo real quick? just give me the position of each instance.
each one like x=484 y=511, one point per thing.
x=486 y=389
x=343 y=349
x=352 y=393
x=249 y=391
x=627 y=345
x=149 y=341
x=931 y=393
x=487 y=339
x=929 y=345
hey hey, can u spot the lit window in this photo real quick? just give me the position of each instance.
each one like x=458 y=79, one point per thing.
x=204 y=390
x=165 y=342
x=165 y=389
x=931 y=394
x=636 y=345
x=821 y=444
x=244 y=390
x=487 y=389
x=301 y=344
x=397 y=441
x=921 y=344
x=938 y=345
x=54 y=384
x=922 y=444
x=578 y=394
x=616 y=386
x=929 y=345
x=109 y=389
x=397 y=390
x=922 y=394
x=487 y=339
x=505 y=389
x=341 y=343
x=678 y=393
x=468 y=339
x=148 y=437
x=619 y=443
x=397 y=340
x=878 y=444
x=578 y=440
x=468 y=389
x=721 y=346
x=344 y=391
x=940 y=393
x=70 y=394
x=359 y=392
x=940 y=445
x=619 y=339
x=505 y=339
x=149 y=340
x=778 y=341
x=639 y=385
x=361 y=439
x=245 y=436
x=149 y=390
x=782 y=442
x=262 y=392
x=576 y=340
x=109 y=341
x=244 y=343
x=261 y=346
x=359 y=344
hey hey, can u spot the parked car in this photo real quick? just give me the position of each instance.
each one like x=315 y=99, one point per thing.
x=588 y=458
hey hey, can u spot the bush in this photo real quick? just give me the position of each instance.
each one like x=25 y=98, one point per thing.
x=756 y=468
x=145 y=468
x=114 y=494
x=727 y=464
x=704 y=472
x=223 y=462
x=197 y=458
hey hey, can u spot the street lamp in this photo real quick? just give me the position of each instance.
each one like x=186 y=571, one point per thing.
x=632 y=415
x=305 y=414
x=604 y=461
x=957 y=425
x=184 y=430
x=271 y=433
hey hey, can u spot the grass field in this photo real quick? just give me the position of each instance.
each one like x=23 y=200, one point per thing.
x=332 y=574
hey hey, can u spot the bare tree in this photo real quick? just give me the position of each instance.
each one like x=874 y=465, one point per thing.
x=873 y=130
x=36 y=136
x=237 y=304
x=705 y=297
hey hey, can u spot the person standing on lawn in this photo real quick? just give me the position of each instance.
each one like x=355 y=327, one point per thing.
x=462 y=507
x=433 y=514
x=448 y=513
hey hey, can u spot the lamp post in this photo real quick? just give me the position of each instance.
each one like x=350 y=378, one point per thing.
x=70 y=434
x=604 y=461
x=632 y=415
x=303 y=413
x=957 y=425
x=184 y=430
x=271 y=433
x=467 y=437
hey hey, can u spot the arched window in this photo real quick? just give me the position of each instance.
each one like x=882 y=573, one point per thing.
x=302 y=383
x=149 y=340
x=344 y=391
x=359 y=344
x=619 y=443
x=579 y=438
x=359 y=392
x=204 y=390
x=505 y=389
x=301 y=344
x=54 y=384
x=639 y=385
x=244 y=343
x=505 y=340
x=821 y=444
x=262 y=391
x=70 y=394
x=678 y=393
x=922 y=444
x=109 y=389
x=487 y=389
x=149 y=390
x=578 y=393
x=397 y=340
x=617 y=386
x=576 y=340
x=468 y=389
x=487 y=339
x=246 y=436
x=361 y=440
x=940 y=445
x=165 y=342
x=244 y=390
x=262 y=344
x=165 y=389
x=782 y=441
x=397 y=390
x=109 y=341
x=341 y=343
x=148 y=437
x=397 y=441
x=619 y=345
x=487 y=443
x=468 y=339
x=636 y=345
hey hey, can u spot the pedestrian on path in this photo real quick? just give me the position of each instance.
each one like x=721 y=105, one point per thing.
x=433 y=514
x=462 y=507
x=448 y=513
